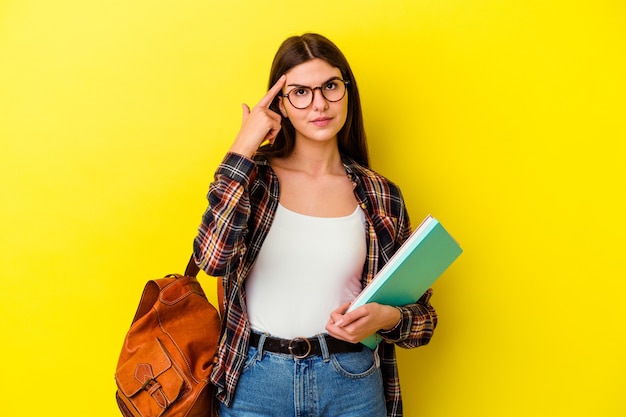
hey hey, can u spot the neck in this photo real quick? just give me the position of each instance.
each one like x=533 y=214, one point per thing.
x=316 y=158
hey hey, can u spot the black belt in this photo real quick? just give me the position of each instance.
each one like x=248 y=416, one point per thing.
x=301 y=347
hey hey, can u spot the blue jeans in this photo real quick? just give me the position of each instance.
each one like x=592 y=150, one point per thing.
x=327 y=385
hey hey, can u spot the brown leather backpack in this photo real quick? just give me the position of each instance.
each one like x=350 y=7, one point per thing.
x=168 y=353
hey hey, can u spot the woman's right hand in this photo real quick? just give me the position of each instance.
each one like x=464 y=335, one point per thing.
x=259 y=124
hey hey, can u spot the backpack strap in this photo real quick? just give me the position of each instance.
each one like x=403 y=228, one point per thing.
x=149 y=297
x=192 y=271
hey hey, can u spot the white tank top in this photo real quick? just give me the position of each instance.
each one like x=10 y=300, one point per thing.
x=307 y=267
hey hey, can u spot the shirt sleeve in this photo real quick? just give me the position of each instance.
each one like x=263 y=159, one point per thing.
x=416 y=326
x=220 y=239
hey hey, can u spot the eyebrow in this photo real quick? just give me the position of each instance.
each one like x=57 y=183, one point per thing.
x=325 y=82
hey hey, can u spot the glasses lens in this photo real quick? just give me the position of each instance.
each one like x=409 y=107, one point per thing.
x=301 y=97
x=334 y=90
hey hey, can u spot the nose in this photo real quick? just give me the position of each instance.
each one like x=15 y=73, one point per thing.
x=319 y=101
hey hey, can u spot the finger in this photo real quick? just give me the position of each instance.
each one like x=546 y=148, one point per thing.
x=269 y=97
x=351 y=317
x=277 y=121
x=271 y=135
x=332 y=329
x=337 y=315
x=343 y=308
x=246 y=112
x=341 y=333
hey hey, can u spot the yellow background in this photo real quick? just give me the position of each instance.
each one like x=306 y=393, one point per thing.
x=504 y=119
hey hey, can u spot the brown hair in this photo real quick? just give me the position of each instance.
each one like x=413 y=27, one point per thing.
x=297 y=50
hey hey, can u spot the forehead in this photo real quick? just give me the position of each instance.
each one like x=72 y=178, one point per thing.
x=311 y=73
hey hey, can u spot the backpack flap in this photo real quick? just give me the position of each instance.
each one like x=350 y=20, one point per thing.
x=148 y=380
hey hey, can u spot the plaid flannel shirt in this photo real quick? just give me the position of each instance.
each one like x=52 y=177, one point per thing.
x=242 y=202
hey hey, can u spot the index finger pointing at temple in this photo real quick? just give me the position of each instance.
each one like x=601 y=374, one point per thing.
x=269 y=97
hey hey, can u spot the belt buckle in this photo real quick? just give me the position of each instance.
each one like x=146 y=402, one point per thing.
x=292 y=348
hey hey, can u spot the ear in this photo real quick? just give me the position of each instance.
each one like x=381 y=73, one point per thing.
x=281 y=107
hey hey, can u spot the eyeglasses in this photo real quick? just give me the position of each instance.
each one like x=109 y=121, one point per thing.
x=333 y=90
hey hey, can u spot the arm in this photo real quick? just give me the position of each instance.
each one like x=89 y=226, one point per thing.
x=408 y=326
x=219 y=245
x=220 y=239
x=416 y=326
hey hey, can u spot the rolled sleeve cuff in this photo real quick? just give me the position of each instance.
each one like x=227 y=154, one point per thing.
x=399 y=331
x=236 y=167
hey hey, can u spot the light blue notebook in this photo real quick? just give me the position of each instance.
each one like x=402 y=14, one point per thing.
x=425 y=255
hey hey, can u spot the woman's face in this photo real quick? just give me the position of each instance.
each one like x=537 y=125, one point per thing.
x=321 y=120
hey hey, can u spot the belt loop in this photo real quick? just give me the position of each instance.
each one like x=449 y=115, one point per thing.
x=259 y=347
x=324 y=347
x=376 y=357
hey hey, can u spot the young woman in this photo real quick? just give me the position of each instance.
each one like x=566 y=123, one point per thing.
x=297 y=225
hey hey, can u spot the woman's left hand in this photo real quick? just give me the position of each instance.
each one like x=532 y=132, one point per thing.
x=362 y=322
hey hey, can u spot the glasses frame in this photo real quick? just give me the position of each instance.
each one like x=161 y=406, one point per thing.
x=319 y=87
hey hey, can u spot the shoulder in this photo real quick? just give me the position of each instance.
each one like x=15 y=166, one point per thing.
x=376 y=187
x=263 y=179
x=375 y=179
x=383 y=201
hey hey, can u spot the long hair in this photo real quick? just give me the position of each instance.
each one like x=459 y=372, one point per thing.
x=297 y=50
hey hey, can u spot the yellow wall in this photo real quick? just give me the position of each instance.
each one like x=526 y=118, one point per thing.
x=505 y=119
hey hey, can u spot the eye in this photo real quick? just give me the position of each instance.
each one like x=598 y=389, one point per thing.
x=300 y=92
x=332 y=85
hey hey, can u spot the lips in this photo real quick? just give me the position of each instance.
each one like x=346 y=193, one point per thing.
x=321 y=121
